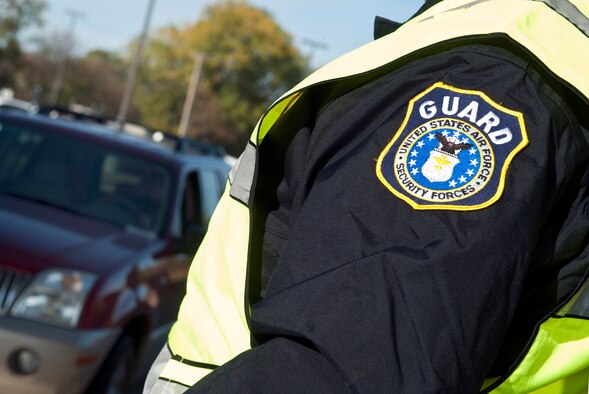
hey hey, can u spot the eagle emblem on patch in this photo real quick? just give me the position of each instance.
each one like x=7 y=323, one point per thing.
x=452 y=150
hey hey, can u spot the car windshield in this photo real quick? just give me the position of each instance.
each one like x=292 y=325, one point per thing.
x=77 y=175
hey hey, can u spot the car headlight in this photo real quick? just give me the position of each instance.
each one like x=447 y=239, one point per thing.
x=56 y=297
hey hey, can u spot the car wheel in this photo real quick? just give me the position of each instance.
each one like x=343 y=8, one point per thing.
x=114 y=375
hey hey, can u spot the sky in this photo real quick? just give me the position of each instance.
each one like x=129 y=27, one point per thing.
x=336 y=26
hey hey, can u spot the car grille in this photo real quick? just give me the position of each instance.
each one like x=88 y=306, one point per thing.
x=11 y=284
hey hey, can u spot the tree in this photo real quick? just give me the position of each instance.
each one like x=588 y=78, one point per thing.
x=15 y=16
x=248 y=61
x=36 y=73
x=161 y=85
x=95 y=80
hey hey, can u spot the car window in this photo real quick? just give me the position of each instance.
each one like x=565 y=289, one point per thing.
x=97 y=181
x=201 y=195
x=137 y=183
x=191 y=211
x=210 y=193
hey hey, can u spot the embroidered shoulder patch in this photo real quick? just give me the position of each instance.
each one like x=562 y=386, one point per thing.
x=452 y=151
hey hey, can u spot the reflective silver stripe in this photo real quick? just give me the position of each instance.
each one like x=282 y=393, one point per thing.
x=579 y=304
x=153 y=385
x=185 y=374
x=165 y=387
x=242 y=175
x=565 y=8
x=464 y=6
x=235 y=167
x=570 y=12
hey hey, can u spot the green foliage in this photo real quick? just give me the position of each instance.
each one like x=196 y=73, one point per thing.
x=161 y=86
x=96 y=80
x=15 y=15
x=248 y=62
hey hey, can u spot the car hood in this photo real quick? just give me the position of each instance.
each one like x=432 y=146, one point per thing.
x=34 y=237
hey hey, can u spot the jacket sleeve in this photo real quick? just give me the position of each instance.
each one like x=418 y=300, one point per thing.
x=370 y=294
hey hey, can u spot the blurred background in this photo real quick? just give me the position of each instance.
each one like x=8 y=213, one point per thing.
x=201 y=69
x=190 y=79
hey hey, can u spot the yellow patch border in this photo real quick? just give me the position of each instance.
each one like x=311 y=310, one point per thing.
x=500 y=187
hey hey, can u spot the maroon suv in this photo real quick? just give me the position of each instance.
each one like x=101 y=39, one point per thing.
x=97 y=232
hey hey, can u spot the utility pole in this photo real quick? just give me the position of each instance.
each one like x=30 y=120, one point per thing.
x=190 y=95
x=125 y=101
x=64 y=53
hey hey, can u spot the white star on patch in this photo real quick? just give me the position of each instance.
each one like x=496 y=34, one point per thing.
x=452 y=183
x=457 y=134
x=412 y=163
x=474 y=162
x=431 y=137
x=470 y=172
x=414 y=153
x=445 y=133
x=472 y=151
x=420 y=144
x=414 y=171
x=462 y=179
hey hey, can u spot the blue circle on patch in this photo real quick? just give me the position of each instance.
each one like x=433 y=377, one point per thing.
x=443 y=163
x=428 y=148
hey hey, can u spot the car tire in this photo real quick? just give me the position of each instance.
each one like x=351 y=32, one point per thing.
x=114 y=376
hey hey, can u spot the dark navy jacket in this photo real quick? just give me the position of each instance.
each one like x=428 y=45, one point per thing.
x=353 y=290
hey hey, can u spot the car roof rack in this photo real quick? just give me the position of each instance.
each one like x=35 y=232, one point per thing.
x=63 y=112
x=189 y=145
x=168 y=140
